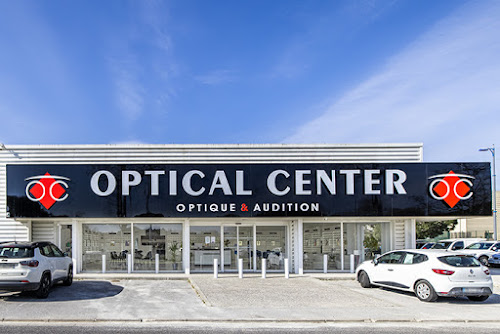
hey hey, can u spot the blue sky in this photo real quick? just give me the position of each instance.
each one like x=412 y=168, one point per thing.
x=92 y=72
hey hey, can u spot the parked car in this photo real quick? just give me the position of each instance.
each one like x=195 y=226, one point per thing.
x=427 y=245
x=494 y=260
x=454 y=244
x=33 y=266
x=420 y=243
x=428 y=273
x=483 y=250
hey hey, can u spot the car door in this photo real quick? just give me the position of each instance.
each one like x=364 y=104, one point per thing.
x=48 y=260
x=60 y=262
x=388 y=269
x=411 y=267
x=457 y=245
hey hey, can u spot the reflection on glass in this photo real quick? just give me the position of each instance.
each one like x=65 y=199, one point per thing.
x=112 y=240
x=372 y=240
x=205 y=247
x=66 y=240
x=162 y=239
x=320 y=239
x=271 y=246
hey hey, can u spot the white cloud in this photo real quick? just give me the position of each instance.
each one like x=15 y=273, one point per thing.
x=443 y=90
x=216 y=77
x=129 y=93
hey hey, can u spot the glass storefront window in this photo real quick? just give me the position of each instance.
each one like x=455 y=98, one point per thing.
x=162 y=239
x=66 y=239
x=320 y=239
x=205 y=247
x=112 y=240
x=271 y=245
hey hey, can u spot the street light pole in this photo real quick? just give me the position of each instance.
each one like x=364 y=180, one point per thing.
x=492 y=150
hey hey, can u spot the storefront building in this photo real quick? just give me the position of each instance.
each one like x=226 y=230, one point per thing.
x=176 y=208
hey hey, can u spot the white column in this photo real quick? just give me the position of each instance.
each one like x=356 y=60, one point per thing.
x=342 y=251
x=287 y=269
x=240 y=268
x=186 y=246
x=216 y=268
x=157 y=263
x=222 y=249
x=264 y=268
x=299 y=249
x=352 y=263
x=325 y=263
x=410 y=233
x=103 y=263
x=129 y=263
x=254 y=252
x=76 y=241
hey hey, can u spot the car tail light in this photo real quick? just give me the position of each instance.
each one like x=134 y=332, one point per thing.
x=31 y=263
x=443 y=272
x=487 y=271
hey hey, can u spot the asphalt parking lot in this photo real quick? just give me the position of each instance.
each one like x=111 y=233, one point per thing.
x=228 y=298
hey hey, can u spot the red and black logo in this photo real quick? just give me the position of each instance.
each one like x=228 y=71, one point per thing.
x=451 y=188
x=47 y=189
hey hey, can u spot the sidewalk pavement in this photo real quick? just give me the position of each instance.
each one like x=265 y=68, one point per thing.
x=333 y=297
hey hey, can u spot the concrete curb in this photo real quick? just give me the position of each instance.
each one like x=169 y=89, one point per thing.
x=260 y=321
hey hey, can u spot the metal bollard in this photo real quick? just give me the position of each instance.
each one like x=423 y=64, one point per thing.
x=352 y=263
x=103 y=263
x=129 y=263
x=325 y=263
x=264 y=268
x=216 y=268
x=157 y=263
x=287 y=271
x=240 y=268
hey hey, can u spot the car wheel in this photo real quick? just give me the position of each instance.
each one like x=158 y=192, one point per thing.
x=478 y=298
x=364 y=280
x=69 y=279
x=484 y=260
x=43 y=289
x=425 y=292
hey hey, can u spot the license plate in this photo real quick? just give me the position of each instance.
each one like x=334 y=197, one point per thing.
x=7 y=265
x=472 y=290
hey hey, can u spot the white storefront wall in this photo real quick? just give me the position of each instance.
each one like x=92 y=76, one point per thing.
x=400 y=230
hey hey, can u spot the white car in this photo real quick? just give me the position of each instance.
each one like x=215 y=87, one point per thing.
x=428 y=273
x=452 y=244
x=482 y=250
x=33 y=266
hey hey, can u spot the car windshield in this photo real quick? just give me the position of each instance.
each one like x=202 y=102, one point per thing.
x=460 y=261
x=479 y=245
x=441 y=245
x=15 y=252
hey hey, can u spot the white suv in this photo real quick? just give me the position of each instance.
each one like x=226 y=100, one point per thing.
x=33 y=266
x=483 y=250
x=428 y=273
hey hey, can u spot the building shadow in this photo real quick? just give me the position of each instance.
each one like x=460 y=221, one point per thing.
x=79 y=290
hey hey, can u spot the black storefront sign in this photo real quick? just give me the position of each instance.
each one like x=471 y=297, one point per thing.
x=249 y=190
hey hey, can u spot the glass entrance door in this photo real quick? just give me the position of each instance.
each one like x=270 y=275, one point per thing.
x=238 y=244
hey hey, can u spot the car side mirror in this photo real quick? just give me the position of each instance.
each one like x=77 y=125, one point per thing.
x=65 y=254
x=375 y=260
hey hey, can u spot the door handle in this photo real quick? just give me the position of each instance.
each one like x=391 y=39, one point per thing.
x=390 y=269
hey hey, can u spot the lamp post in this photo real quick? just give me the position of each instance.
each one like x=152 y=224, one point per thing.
x=492 y=150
